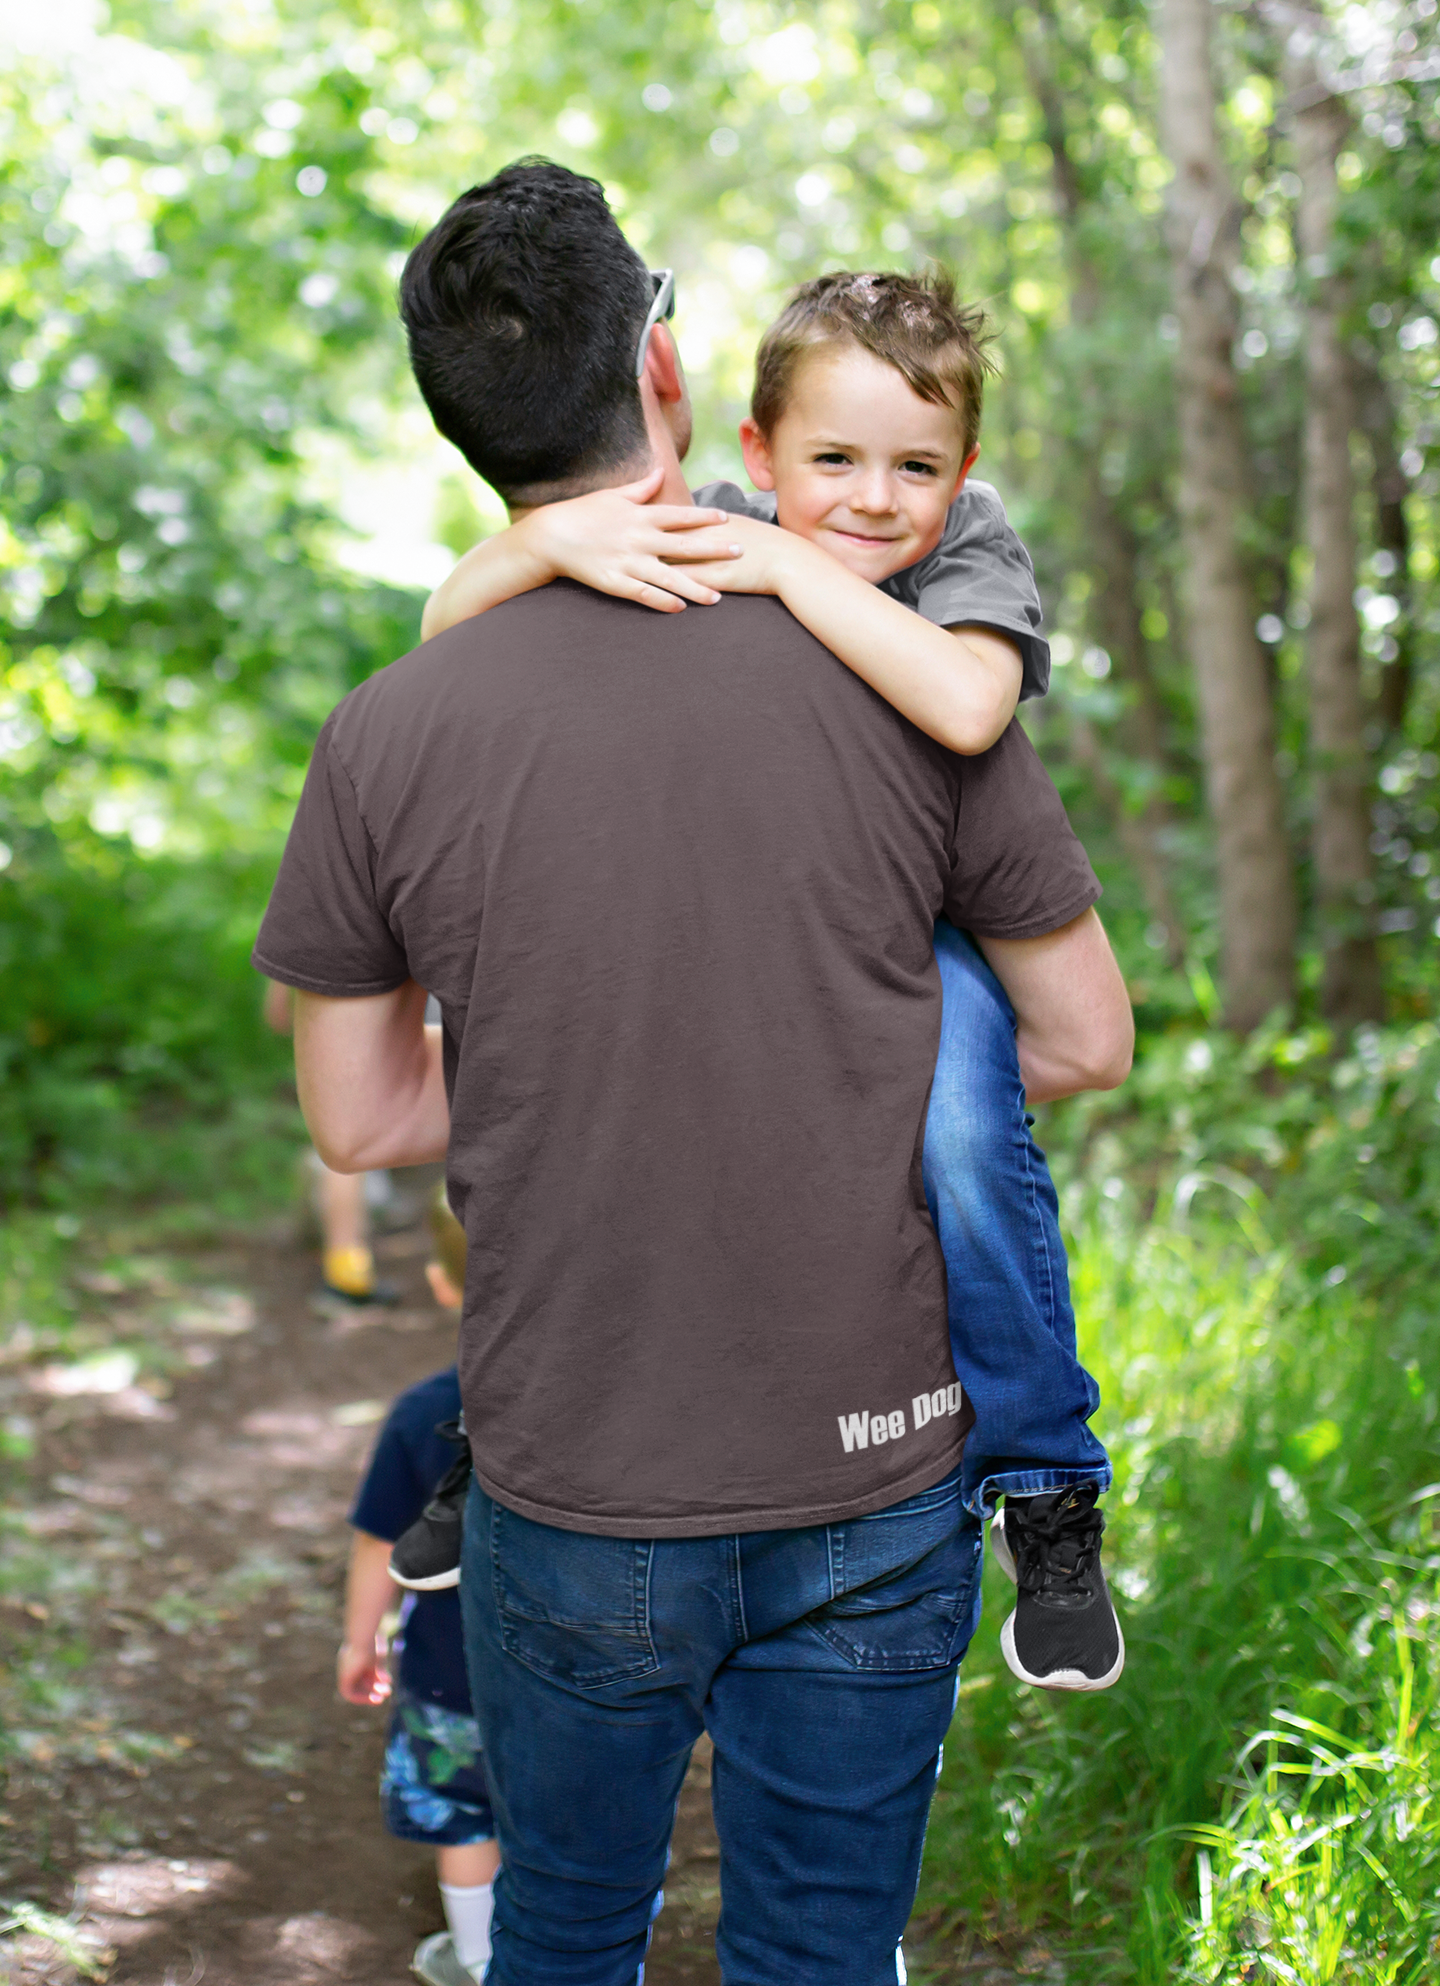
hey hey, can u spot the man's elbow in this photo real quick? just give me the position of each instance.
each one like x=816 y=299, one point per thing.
x=1110 y=1055
x=338 y=1153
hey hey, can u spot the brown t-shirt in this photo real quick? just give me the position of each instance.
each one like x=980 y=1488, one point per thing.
x=673 y=880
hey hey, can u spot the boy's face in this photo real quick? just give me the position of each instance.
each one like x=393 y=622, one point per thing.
x=859 y=463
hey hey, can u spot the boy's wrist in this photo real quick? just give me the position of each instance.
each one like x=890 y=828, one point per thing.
x=798 y=563
x=534 y=553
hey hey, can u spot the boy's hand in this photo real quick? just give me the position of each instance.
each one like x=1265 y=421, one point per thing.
x=361 y=1675
x=765 y=560
x=618 y=542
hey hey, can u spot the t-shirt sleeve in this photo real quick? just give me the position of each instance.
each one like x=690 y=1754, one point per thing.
x=980 y=575
x=740 y=503
x=392 y=1495
x=1018 y=869
x=323 y=930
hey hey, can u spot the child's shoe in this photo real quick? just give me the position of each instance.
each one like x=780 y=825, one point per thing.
x=426 y=1558
x=436 y=1963
x=1063 y=1633
x=348 y=1277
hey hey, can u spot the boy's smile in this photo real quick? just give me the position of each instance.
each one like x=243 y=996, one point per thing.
x=859 y=463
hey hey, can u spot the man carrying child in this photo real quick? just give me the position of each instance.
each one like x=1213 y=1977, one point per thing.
x=674 y=882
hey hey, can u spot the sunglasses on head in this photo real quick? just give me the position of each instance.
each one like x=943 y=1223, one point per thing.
x=662 y=307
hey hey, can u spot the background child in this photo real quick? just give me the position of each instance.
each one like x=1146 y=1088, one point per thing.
x=863 y=429
x=432 y=1788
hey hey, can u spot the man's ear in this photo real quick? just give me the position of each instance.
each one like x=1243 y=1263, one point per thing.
x=965 y=467
x=662 y=365
x=759 y=462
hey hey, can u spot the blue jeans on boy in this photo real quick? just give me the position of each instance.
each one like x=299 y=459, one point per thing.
x=1012 y=1330
x=822 y=1663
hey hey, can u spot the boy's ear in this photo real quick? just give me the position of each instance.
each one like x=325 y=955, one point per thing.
x=759 y=463
x=965 y=467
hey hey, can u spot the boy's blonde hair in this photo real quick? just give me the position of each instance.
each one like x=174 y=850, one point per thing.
x=449 y=1239
x=915 y=323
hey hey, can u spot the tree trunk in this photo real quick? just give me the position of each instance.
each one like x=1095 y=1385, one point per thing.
x=1351 y=989
x=1136 y=835
x=1113 y=547
x=1375 y=407
x=1256 y=875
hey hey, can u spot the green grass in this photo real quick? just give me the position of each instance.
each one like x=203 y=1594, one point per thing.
x=1254 y=1270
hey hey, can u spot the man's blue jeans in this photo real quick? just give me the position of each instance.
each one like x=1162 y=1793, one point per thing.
x=1012 y=1330
x=821 y=1662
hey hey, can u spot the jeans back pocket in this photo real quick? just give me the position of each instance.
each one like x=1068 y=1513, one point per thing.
x=906 y=1584
x=572 y=1607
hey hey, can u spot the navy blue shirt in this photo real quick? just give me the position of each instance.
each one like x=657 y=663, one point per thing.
x=428 y=1659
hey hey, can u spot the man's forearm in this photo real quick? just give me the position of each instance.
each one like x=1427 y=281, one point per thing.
x=371 y=1080
x=1073 y=1026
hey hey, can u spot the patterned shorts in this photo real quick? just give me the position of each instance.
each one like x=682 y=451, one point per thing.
x=432 y=1787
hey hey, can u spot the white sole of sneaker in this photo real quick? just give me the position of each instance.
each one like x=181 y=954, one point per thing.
x=1003 y=1556
x=437 y=1584
x=1066 y=1679
x=1063 y=1679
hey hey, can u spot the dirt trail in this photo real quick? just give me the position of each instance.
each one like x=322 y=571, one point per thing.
x=208 y=1805
x=212 y=1527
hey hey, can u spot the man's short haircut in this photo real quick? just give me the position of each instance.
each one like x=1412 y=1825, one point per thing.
x=915 y=323
x=523 y=307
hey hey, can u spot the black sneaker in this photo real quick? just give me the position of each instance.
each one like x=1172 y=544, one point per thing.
x=1063 y=1633
x=427 y=1558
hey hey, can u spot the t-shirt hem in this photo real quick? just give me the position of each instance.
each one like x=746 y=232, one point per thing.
x=1042 y=925
x=784 y=1517
x=335 y=990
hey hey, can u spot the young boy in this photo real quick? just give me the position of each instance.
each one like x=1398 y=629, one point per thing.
x=864 y=426
x=432 y=1788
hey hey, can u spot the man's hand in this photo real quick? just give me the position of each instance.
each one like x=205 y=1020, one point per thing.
x=371 y=1083
x=1075 y=1030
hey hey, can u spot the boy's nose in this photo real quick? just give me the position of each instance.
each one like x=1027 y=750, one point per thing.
x=874 y=495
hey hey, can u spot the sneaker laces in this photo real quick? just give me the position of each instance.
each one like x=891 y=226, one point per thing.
x=1058 y=1545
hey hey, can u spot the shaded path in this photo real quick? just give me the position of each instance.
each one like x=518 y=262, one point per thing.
x=195 y=1789
x=218 y=1819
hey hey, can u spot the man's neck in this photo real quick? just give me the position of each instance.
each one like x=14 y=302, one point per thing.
x=673 y=487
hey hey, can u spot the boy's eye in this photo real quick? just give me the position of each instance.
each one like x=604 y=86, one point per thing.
x=918 y=468
x=833 y=458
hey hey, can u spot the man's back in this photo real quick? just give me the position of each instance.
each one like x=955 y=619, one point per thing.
x=673 y=880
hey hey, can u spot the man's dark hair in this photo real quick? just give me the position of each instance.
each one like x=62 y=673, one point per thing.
x=523 y=307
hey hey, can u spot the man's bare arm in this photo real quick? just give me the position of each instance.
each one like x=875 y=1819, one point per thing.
x=1075 y=1029
x=372 y=1087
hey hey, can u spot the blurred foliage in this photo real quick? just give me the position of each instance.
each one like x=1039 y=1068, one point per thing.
x=1253 y=1270
x=203 y=210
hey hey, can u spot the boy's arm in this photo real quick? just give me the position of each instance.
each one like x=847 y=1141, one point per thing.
x=960 y=688
x=370 y=1593
x=614 y=540
x=1074 y=1028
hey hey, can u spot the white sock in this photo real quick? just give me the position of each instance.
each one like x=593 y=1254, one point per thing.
x=467 y=1912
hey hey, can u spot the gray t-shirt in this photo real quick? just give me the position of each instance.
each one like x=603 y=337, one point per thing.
x=979 y=575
